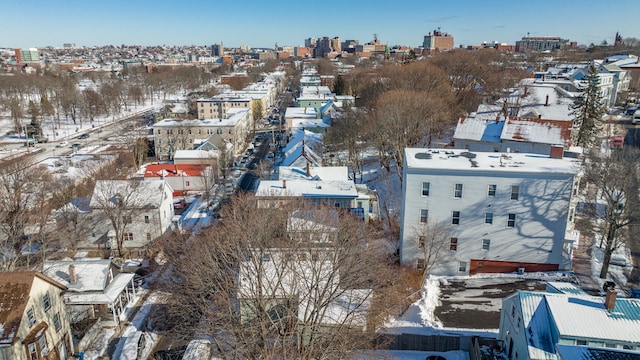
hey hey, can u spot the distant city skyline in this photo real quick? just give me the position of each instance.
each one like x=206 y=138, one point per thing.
x=41 y=23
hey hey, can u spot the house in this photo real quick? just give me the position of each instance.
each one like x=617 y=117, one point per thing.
x=300 y=284
x=532 y=119
x=494 y=212
x=329 y=185
x=171 y=135
x=564 y=320
x=137 y=210
x=96 y=288
x=33 y=319
x=298 y=117
x=182 y=178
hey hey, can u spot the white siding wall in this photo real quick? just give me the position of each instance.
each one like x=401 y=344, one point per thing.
x=541 y=216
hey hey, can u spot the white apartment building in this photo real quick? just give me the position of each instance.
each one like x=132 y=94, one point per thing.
x=171 y=135
x=492 y=212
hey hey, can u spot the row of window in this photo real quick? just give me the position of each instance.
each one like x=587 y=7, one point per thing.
x=129 y=237
x=453 y=243
x=181 y=131
x=455 y=218
x=46 y=305
x=457 y=190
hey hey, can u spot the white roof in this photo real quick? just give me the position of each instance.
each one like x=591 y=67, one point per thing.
x=91 y=274
x=317 y=173
x=306 y=188
x=463 y=160
x=311 y=139
x=234 y=116
x=300 y=112
x=578 y=316
x=135 y=193
x=108 y=296
x=479 y=129
x=195 y=154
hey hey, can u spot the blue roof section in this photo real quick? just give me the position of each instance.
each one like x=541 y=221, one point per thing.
x=557 y=287
x=492 y=132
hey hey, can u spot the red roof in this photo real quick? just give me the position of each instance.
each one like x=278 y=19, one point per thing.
x=169 y=170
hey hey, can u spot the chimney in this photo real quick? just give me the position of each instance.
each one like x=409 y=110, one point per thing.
x=556 y=152
x=284 y=184
x=308 y=172
x=546 y=102
x=72 y=274
x=610 y=299
x=526 y=90
x=540 y=116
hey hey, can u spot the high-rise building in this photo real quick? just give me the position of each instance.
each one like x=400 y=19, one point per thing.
x=437 y=41
x=27 y=56
x=336 y=45
x=543 y=43
x=310 y=42
x=217 y=50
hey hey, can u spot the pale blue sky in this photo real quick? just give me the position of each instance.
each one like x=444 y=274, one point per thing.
x=257 y=23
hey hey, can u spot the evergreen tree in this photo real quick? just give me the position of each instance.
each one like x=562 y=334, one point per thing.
x=338 y=85
x=588 y=109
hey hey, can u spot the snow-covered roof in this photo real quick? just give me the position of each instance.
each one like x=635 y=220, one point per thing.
x=306 y=188
x=316 y=173
x=463 y=160
x=91 y=274
x=576 y=316
x=109 y=296
x=300 y=112
x=302 y=155
x=171 y=170
x=299 y=135
x=553 y=132
x=205 y=155
x=135 y=193
x=478 y=129
x=234 y=116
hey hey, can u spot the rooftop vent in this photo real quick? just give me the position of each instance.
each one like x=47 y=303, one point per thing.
x=423 y=156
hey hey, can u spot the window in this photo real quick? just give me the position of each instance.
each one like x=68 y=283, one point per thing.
x=421 y=241
x=420 y=264
x=511 y=221
x=42 y=342
x=56 y=322
x=146 y=219
x=33 y=352
x=126 y=219
x=486 y=243
x=492 y=190
x=515 y=192
x=219 y=131
x=462 y=266
x=455 y=218
x=128 y=236
x=457 y=191
x=453 y=244
x=46 y=301
x=582 y=342
x=488 y=218
x=148 y=236
x=424 y=215
x=31 y=317
x=425 y=188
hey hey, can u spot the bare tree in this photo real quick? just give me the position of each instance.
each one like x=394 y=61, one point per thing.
x=616 y=176
x=432 y=238
x=65 y=199
x=17 y=188
x=278 y=283
x=120 y=202
x=347 y=133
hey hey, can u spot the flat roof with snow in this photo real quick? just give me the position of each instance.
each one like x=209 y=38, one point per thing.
x=463 y=160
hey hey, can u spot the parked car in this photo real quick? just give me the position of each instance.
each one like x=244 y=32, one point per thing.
x=636 y=117
x=179 y=204
x=83 y=136
x=134 y=346
x=62 y=144
x=617 y=142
